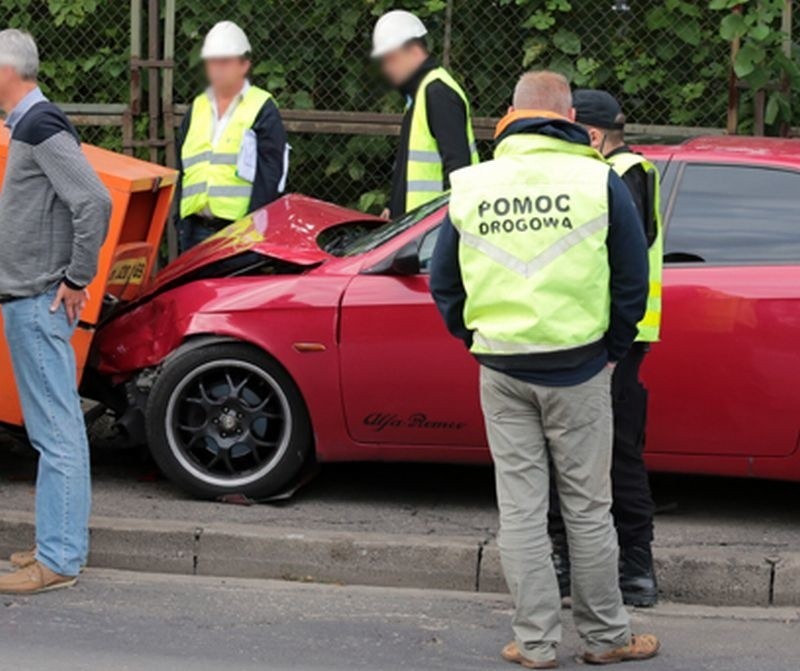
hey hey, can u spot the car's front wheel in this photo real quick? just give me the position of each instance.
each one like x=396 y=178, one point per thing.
x=225 y=418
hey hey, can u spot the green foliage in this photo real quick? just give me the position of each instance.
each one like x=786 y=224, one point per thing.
x=660 y=58
x=71 y=12
x=760 y=60
x=84 y=46
x=666 y=59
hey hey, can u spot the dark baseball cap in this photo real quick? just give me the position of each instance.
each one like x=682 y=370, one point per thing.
x=597 y=108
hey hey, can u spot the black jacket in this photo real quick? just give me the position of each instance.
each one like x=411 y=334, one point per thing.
x=627 y=256
x=636 y=181
x=447 y=118
x=272 y=157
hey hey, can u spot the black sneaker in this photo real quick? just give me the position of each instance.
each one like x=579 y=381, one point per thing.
x=637 y=576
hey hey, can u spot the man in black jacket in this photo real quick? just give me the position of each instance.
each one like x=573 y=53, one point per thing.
x=436 y=136
x=633 y=508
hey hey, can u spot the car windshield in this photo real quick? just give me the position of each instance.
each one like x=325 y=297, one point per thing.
x=358 y=238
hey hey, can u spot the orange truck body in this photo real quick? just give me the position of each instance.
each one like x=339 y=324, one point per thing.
x=142 y=195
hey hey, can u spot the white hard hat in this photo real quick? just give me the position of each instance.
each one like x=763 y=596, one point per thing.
x=225 y=40
x=394 y=29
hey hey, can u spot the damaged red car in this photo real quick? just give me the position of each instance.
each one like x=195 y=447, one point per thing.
x=306 y=331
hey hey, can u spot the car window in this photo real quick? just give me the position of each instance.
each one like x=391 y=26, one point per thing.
x=426 y=247
x=356 y=238
x=735 y=214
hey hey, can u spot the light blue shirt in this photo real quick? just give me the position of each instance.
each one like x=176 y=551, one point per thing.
x=23 y=107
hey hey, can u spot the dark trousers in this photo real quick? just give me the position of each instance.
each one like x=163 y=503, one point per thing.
x=633 y=506
x=194 y=229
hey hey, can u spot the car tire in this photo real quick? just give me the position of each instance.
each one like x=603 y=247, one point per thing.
x=225 y=419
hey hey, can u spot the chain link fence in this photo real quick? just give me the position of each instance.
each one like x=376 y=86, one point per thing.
x=663 y=58
x=669 y=66
x=85 y=48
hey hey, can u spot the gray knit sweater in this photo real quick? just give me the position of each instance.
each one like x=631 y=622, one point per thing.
x=54 y=210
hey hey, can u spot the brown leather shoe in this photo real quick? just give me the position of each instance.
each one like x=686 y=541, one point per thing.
x=643 y=646
x=23 y=559
x=34 y=579
x=512 y=654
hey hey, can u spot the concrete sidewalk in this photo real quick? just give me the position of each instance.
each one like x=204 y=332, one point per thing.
x=719 y=542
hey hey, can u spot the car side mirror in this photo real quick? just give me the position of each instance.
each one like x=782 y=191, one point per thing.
x=404 y=262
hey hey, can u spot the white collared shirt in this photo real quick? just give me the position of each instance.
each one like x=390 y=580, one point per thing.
x=220 y=123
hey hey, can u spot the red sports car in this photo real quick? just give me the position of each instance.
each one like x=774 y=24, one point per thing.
x=307 y=331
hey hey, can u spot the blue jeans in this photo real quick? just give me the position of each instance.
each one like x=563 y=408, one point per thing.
x=45 y=373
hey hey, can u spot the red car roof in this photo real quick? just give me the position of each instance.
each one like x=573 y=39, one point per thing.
x=730 y=149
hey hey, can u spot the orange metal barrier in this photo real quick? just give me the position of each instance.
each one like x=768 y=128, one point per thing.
x=141 y=193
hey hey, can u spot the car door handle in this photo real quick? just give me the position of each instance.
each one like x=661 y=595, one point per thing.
x=683 y=257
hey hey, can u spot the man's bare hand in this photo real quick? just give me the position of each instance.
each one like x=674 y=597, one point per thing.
x=74 y=301
x=386 y=214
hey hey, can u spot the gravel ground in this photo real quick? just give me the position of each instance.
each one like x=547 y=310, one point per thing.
x=420 y=499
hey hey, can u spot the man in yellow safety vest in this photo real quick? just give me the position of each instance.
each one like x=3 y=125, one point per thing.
x=541 y=268
x=633 y=508
x=233 y=152
x=436 y=137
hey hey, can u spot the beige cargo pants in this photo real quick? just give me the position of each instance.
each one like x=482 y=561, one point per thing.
x=573 y=425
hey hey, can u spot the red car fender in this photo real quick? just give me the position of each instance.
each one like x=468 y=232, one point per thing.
x=303 y=341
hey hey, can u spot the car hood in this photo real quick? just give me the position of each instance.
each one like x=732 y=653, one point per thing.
x=286 y=230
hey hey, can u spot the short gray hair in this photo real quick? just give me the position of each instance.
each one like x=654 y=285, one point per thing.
x=18 y=49
x=543 y=90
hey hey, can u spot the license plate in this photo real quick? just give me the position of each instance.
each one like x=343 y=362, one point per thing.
x=128 y=271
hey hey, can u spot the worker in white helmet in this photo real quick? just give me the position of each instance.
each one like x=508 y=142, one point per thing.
x=436 y=136
x=232 y=144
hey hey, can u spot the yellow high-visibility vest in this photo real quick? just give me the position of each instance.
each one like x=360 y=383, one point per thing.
x=650 y=326
x=210 y=179
x=425 y=170
x=533 y=225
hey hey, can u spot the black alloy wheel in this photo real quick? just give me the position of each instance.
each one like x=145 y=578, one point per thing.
x=226 y=418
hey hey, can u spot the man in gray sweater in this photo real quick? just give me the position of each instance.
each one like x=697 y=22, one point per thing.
x=54 y=215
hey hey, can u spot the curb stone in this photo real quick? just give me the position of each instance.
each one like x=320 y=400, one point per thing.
x=786 y=587
x=707 y=575
x=143 y=545
x=387 y=560
x=700 y=574
x=715 y=576
x=153 y=546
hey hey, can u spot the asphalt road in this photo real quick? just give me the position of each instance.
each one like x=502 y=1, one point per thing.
x=146 y=622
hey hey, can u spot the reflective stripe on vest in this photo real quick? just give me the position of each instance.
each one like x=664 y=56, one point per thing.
x=650 y=326
x=424 y=170
x=533 y=225
x=210 y=179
